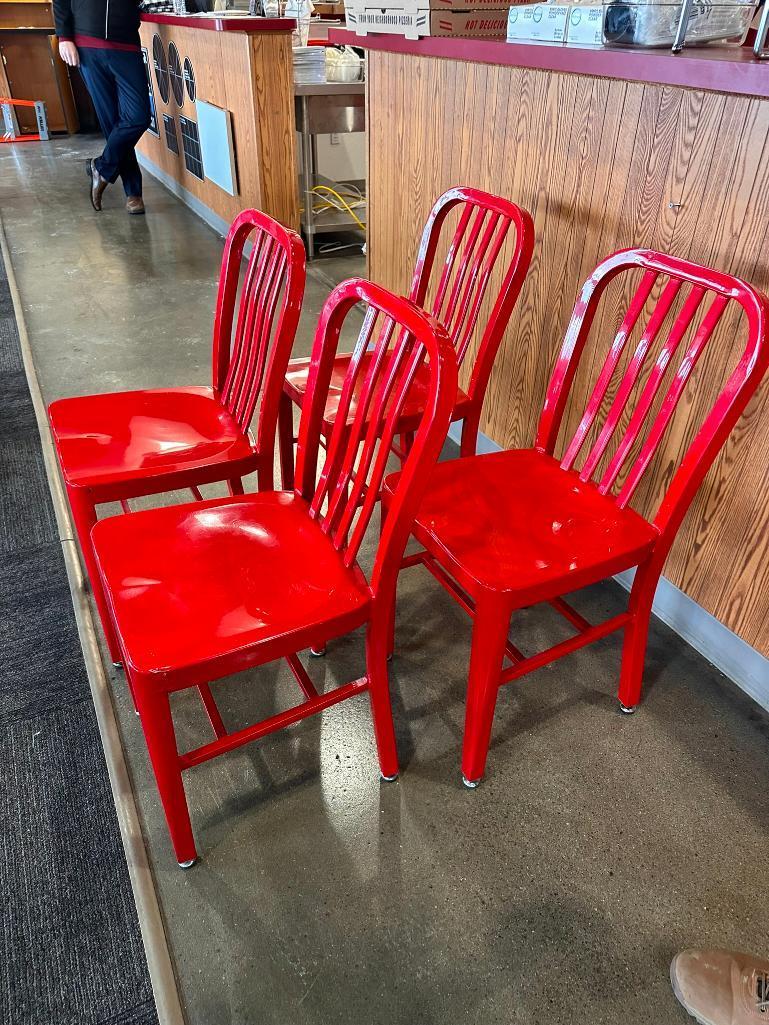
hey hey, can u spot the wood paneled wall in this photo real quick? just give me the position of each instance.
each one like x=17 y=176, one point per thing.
x=598 y=163
x=250 y=75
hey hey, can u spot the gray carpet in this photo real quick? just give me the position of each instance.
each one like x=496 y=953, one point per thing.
x=70 y=947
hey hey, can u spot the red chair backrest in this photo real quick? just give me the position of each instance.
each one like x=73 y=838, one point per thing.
x=456 y=295
x=626 y=435
x=249 y=362
x=395 y=339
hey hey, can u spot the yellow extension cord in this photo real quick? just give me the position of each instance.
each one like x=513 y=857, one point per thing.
x=326 y=188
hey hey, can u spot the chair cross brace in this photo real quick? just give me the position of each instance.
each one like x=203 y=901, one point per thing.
x=580 y=640
x=231 y=741
x=522 y=664
x=460 y=596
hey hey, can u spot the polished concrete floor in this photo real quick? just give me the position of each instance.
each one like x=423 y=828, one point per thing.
x=597 y=846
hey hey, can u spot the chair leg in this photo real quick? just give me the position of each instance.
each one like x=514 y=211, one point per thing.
x=390 y=624
x=286 y=441
x=468 y=444
x=158 y=726
x=636 y=635
x=379 y=695
x=406 y=441
x=490 y=628
x=390 y=632
x=84 y=516
x=235 y=486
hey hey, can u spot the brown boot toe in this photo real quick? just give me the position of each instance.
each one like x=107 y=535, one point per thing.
x=98 y=184
x=134 y=204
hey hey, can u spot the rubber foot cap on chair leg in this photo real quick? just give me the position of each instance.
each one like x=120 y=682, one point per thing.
x=118 y=665
x=187 y=864
x=471 y=784
x=390 y=657
x=318 y=652
x=388 y=779
x=627 y=709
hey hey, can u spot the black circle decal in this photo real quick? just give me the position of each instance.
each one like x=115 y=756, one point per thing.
x=189 y=78
x=161 y=68
x=175 y=71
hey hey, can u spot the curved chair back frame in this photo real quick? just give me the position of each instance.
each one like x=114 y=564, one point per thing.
x=482 y=228
x=381 y=371
x=267 y=317
x=704 y=296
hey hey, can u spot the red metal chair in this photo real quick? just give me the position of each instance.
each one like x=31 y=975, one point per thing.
x=511 y=529
x=122 y=445
x=457 y=299
x=203 y=590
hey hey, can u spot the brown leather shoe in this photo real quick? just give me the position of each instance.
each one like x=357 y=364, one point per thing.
x=98 y=184
x=134 y=204
x=720 y=987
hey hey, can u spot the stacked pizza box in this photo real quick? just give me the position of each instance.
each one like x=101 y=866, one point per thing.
x=416 y=18
x=578 y=22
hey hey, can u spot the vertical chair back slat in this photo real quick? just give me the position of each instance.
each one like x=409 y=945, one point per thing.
x=645 y=428
x=491 y=247
x=358 y=446
x=253 y=299
x=380 y=374
x=252 y=286
x=649 y=392
x=336 y=450
x=461 y=289
x=427 y=252
x=377 y=434
x=252 y=304
x=670 y=402
x=254 y=331
x=630 y=377
x=254 y=364
x=607 y=371
x=252 y=283
x=412 y=358
x=449 y=315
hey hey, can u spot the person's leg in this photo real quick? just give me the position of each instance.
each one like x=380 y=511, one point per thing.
x=102 y=89
x=134 y=116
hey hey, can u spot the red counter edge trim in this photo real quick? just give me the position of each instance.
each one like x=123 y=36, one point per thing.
x=214 y=24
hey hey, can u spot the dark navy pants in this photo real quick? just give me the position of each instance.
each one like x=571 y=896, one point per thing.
x=117 y=82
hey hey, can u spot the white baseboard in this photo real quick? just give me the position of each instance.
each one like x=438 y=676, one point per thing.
x=748 y=668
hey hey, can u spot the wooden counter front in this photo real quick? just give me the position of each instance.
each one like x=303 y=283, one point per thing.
x=601 y=163
x=244 y=66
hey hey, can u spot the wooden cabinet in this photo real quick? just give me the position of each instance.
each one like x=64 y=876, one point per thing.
x=31 y=67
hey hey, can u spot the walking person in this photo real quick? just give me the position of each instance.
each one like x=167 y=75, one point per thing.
x=101 y=37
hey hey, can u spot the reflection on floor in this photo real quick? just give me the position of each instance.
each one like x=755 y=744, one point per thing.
x=557 y=892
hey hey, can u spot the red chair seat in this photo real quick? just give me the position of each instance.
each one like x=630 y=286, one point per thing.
x=118 y=437
x=514 y=521
x=296 y=387
x=218 y=585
